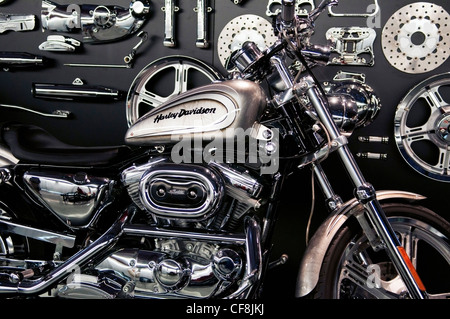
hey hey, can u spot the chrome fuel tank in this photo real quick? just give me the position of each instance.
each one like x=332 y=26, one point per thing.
x=205 y=112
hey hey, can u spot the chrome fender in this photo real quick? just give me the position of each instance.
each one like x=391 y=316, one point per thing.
x=311 y=264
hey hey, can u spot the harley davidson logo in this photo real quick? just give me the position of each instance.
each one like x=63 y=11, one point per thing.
x=183 y=112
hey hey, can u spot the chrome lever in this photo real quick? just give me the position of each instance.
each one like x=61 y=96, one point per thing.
x=129 y=58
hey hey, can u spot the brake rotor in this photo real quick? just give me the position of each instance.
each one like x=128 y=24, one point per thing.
x=247 y=27
x=416 y=38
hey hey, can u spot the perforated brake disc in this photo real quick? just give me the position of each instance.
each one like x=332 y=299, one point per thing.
x=416 y=38
x=422 y=127
x=247 y=27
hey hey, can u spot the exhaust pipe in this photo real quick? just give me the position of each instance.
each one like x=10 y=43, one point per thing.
x=39 y=286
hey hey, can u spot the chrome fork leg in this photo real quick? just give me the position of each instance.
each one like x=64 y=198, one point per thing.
x=365 y=194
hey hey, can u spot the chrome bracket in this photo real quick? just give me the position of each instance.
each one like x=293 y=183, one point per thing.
x=299 y=4
x=363 y=15
x=169 y=10
x=324 y=151
x=350 y=43
x=15 y=22
x=202 y=23
x=343 y=76
x=60 y=43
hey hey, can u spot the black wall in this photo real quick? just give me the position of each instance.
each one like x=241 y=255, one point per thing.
x=105 y=123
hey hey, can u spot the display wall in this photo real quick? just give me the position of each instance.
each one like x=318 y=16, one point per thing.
x=104 y=122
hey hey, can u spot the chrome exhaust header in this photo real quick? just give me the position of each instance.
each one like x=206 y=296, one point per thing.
x=10 y=284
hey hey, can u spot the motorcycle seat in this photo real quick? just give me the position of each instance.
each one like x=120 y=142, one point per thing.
x=32 y=144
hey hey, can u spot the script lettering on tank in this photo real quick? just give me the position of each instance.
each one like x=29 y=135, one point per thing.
x=184 y=112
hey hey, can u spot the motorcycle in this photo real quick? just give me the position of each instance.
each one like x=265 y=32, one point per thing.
x=187 y=208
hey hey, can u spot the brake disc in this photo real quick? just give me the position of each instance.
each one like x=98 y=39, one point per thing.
x=422 y=127
x=416 y=38
x=247 y=27
x=152 y=86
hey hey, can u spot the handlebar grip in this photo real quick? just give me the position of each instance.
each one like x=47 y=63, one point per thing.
x=287 y=11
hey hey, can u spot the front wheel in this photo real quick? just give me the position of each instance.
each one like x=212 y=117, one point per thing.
x=353 y=270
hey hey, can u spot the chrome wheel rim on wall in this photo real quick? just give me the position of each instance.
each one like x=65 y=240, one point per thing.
x=422 y=128
x=174 y=75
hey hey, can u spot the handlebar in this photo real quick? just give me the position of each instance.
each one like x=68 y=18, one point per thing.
x=287 y=12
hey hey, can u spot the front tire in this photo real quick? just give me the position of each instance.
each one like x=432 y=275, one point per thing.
x=353 y=270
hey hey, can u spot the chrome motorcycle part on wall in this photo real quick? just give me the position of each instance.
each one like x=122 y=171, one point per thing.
x=128 y=59
x=20 y=60
x=57 y=113
x=73 y=197
x=422 y=128
x=98 y=23
x=416 y=38
x=60 y=43
x=248 y=27
x=367 y=102
x=204 y=113
x=353 y=46
x=169 y=10
x=375 y=12
x=273 y=7
x=202 y=9
x=78 y=90
x=16 y=22
x=146 y=91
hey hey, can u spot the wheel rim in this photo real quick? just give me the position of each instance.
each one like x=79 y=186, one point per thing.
x=422 y=128
x=183 y=71
x=365 y=274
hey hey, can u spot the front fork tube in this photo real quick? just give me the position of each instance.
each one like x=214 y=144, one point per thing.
x=365 y=194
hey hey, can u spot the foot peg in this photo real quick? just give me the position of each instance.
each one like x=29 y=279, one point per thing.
x=280 y=261
x=17 y=277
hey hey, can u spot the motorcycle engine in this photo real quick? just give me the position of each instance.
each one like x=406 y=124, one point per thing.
x=179 y=259
x=191 y=194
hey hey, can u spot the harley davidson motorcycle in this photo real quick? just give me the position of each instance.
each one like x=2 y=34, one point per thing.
x=187 y=210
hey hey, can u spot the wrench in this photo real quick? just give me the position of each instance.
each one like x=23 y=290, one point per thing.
x=169 y=22
x=202 y=23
